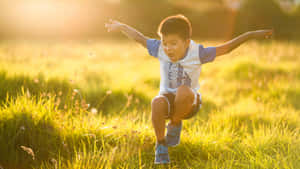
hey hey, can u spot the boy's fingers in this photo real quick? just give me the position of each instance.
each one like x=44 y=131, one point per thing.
x=107 y=26
x=270 y=34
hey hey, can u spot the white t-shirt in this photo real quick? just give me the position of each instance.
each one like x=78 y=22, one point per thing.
x=185 y=71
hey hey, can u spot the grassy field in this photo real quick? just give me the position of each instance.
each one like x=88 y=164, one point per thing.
x=86 y=104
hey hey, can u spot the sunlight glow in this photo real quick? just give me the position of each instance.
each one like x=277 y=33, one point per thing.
x=234 y=5
x=49 y=16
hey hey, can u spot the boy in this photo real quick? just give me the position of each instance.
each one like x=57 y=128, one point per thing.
x=180 y=65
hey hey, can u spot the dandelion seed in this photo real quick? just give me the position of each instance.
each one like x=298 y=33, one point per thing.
x=57 y=102
x=91 y=135
x=71 y=81
x=114 y=149
x=60 y=93
x=147 y=138
x=108 y=92
x=76 y=91
x=94 y=111
x=22 y=128
x=27 y=93
x=91 y=55
x=259 y=84
x=258 y=98
x=54 y=162
x=36 y=80
x=29 y=151
x=129 y=98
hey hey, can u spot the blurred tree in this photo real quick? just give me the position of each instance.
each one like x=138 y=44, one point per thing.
x=261 y=14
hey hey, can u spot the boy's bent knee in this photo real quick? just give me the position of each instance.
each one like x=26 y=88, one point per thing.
x=159 y=103
x=184 y=94
x=159 y=100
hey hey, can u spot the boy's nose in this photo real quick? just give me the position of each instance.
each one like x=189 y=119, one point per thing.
x=168 y=48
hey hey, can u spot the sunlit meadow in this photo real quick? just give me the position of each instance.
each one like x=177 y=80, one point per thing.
x=86 y=104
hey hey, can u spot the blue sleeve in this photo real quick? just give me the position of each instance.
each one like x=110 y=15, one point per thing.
x=207 y=54
x=153 y=46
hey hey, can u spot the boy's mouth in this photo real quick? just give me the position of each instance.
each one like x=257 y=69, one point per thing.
x=171 y=55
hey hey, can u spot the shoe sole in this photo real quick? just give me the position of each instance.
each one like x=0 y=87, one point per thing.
x=171 y=145
x=162 y=163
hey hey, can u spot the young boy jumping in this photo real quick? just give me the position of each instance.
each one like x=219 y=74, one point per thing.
x=180 y=66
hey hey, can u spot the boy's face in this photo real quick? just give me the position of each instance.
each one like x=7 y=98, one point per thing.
x=175 y=46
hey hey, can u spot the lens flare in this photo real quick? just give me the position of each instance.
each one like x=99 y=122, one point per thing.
x=50 y=17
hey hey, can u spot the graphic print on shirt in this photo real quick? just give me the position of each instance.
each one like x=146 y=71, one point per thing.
x=177 y=76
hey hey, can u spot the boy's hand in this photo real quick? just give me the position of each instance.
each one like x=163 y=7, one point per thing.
x=267 y=34
x=130 y=32
x=113 y=25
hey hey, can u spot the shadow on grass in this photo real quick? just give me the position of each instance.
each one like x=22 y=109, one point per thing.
x=12 y=86
x=293 y=97
x=246 y=123
x=252 y=80
x=247 y=71
x=22 y=128
x=95 y=94
x=207 y=108
x=38 y=126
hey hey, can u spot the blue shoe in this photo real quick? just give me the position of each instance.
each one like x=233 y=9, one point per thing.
x=161 y=154
x=173 y=134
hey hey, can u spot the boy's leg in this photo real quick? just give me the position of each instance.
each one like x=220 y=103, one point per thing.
x=160 y=108
x=183 y=104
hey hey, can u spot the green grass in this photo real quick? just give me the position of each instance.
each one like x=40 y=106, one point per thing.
x=87 y=105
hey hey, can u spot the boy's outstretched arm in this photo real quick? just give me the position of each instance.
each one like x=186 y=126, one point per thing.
x=132 y=33
x=234 y=43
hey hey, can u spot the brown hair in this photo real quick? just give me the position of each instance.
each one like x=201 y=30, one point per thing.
x=176 y=24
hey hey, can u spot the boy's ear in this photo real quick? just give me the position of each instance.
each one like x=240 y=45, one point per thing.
x=187 y=42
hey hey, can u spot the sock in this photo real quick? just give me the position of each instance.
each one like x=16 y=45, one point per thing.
x=176 y=124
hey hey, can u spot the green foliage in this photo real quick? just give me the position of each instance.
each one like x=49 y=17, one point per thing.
x=249 y=118
x=257 y=14
x=207 y=18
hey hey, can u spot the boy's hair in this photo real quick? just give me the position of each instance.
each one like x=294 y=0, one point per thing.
x=177 y=24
